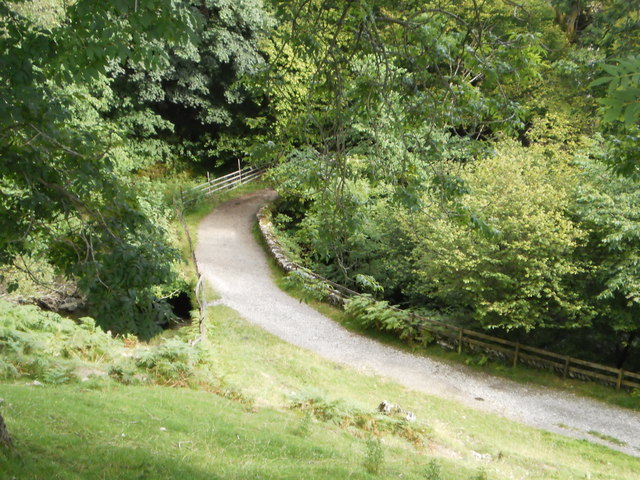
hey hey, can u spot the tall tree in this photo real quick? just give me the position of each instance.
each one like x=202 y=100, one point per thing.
x=61 y=195
x=396 y=84
x=198 y=104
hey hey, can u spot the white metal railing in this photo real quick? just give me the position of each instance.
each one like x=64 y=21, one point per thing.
x=223 y=183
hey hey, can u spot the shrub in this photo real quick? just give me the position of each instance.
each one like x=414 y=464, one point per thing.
x=8 y=370
x=28 y=330
x=371 y=313
x=374 y=458
x=433 y=471
x=348 y=416
x=507 y=259
x=481 y=475
x=125 y=374
x=57 y=375
x=305 y=425
x=172 y=361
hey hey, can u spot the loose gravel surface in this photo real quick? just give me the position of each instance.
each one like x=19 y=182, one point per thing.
x=236 y=267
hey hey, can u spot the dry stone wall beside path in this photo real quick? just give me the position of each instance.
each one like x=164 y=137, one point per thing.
x=236 y=266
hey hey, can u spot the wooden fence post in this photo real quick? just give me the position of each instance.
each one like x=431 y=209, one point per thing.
x=515 y=355
x=619 y=381
x=5 y=438
x=565 y=371
x=460 y=341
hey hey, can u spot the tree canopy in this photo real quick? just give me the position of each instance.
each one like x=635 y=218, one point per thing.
x=474 y=160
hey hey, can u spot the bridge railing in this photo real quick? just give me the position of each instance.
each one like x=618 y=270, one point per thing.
x=222 y=184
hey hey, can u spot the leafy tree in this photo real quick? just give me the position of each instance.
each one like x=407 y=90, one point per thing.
x=621 y=115
x=574 y=15
x=614 y=28
x=607 y=209
x=523 y=273
x=397 y=85
x=62 y=197
x=199 y=103
x=609 y=35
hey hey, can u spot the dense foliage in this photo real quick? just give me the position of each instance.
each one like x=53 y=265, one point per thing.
x=89 y=97
x=473 y=160
x=450 y=153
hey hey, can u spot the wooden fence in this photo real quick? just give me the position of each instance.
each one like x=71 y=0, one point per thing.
x=515 y=353
x=461 y=339
x=221 y=184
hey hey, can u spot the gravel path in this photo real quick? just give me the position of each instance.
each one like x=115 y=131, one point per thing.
x=236 y=266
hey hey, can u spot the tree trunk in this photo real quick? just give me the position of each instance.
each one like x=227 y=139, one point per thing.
x=571 y=22
x=5 y=439
x=622 y=358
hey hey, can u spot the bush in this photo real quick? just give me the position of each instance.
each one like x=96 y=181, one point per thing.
x=374 y=458
x=371 y=313
x=28 y=330
x=348 y=416
x=507 y=258
x=379 y=315
x=8 y=370
x=48 y=347
x=433 y=471
x=172 y=361
x=57 y=375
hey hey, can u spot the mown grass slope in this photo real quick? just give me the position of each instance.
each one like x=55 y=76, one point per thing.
x=255 y=407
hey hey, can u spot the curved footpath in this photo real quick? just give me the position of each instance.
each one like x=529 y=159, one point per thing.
x=235 y=265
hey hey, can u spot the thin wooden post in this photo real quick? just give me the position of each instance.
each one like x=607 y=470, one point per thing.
x=565 y=370
x=619 y=382
x=240 y=171
x=460 y=341
x=5 y=438
x=515 y=355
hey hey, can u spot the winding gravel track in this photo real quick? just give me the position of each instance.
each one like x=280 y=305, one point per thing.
x=236 y=266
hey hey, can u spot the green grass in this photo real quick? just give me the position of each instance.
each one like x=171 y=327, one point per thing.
x=45 y=13
x=607 y=438
x=249 y=430
x=272 y=372
x=153 y=432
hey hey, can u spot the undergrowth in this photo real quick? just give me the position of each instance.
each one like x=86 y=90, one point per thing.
x=358 y=421
x=48 y=348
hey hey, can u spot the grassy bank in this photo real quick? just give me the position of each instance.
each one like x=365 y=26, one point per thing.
x=277 y=412
x=246 y=405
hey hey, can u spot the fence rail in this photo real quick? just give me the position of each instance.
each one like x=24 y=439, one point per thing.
x=223 y=183
x=462 y=339
x=515 y=353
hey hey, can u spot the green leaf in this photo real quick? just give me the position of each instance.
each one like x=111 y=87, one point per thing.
x=631 y=115
x=601 y=81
